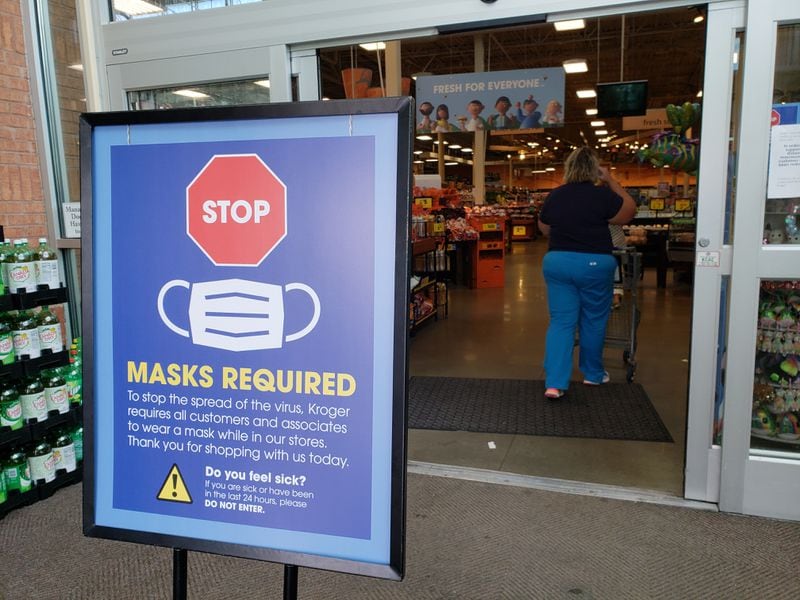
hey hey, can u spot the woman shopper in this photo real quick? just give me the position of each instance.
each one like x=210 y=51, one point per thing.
x=579 y=267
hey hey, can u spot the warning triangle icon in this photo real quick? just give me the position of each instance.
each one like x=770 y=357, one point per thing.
x=174 y=489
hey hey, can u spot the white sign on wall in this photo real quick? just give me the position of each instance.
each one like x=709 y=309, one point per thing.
x=72 y=219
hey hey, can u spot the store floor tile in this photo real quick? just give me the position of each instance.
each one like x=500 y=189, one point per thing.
x=499 y=333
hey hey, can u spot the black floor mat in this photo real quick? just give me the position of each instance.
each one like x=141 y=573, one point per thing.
x=615 y=411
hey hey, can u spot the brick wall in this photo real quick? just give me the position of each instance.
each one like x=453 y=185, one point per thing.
x=22 y=208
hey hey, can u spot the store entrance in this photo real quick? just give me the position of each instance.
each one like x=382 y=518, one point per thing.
x=478 y=305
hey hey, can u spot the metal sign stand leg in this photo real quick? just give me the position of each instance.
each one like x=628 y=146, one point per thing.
x=289 y=582
x=178 y=574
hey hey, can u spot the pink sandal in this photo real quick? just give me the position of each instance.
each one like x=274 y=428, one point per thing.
x=553 y=393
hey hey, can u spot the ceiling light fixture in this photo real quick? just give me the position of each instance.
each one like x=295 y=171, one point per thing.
x=700 y=94
x=450 y=164
x=569 y=25
x=420 y=74
x=575 y=65
x=601 y=132
x=418 y=152
x=550 y=169
x=455 y=146
x=466 y=149
x=424 y=138
x=190 y=94
x=590 y=112
x=597 y=123
x=586 y=94
x=373 y=46
x=263 y=83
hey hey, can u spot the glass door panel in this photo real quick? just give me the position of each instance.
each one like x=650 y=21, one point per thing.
x=776 y=389
x=226 y=93
x=761 y=447
x=782 y=209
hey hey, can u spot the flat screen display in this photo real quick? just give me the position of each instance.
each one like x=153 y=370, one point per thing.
x=621 y=99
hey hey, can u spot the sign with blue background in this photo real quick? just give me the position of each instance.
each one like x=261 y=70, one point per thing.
x=239 y=398
x=496 y=101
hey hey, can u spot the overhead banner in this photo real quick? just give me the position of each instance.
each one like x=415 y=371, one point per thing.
x=496 y=101
x=247 y=330
x=656 y=118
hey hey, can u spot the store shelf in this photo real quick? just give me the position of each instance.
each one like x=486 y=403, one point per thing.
x=488 y=263
x=26 y=367
x=41 y=490
x=35 y=430
x=42 y=297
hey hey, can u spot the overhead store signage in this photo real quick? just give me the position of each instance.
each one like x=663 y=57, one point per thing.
x=246 y=330
x=656 y=118
x=500 y=101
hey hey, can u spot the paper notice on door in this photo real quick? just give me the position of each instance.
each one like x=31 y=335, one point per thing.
x=708 y=259
x=784 y=162
x=72 y=219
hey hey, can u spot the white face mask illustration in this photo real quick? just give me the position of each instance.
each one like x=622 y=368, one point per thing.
x=236 y=314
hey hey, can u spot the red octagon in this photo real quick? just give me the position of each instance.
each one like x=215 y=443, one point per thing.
x=236 y=210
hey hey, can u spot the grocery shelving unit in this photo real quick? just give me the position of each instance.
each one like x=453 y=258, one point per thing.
x=32 y=429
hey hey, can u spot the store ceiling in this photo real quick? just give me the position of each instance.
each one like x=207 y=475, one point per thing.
x=666 y=48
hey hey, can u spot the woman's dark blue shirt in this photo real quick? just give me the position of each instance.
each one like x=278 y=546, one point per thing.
x=578 y=215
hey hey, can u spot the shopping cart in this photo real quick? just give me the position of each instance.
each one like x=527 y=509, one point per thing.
x=624 y=319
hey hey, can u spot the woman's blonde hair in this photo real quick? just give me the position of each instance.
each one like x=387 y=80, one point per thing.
x=581 y=165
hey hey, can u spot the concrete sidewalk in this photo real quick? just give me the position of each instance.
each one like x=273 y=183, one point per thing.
x=466 y=540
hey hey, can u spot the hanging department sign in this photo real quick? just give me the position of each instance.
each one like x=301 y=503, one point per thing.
x=248 y=357
x=498 y=101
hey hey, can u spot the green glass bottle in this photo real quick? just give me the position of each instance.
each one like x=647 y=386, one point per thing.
x=34 y=403
x=46 y=266
x=49 y=331
x=21 y=274
x=64 y=451
x=26 y=335
x=5 y=251
x=17 y=472
x=74 y=379
x=77 y=439
x=7 y=355
x=42 y=462
x=55 y=392
x=10 y=408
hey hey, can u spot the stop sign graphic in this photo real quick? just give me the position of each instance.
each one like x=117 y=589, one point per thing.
x=236 y=210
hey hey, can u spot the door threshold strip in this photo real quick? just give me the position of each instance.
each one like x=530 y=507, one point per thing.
x=564 y=486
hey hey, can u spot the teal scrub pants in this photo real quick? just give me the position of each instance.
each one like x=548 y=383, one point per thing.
x=579 y=294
